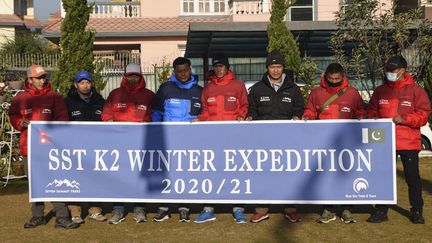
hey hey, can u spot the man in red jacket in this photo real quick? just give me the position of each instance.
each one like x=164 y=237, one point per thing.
x=334 y=99
x=223 y=99
x=129 y=103
x=409 y=106
x=39 y=103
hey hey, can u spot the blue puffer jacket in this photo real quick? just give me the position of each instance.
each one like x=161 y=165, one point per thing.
x=177 y=101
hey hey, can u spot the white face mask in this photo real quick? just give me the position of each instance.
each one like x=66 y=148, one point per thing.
x=392 y=77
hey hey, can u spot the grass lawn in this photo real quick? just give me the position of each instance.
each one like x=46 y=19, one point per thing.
x=15 y=210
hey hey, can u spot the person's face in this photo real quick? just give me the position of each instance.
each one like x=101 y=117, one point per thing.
x=399 y=73
x=334 y=77
x=220 y=70
x=132 y=79
x=182 y=72
x=39 y=82
x=84 y=87
x=275 y=71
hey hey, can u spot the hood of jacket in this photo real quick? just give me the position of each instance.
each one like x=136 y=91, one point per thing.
x=185 y=85
x=223 y=80
x=29 y=88
x=401 y=83
x=139 y=86
x=334 y=90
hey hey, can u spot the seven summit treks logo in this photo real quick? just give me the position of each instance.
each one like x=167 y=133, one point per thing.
x=62 y=186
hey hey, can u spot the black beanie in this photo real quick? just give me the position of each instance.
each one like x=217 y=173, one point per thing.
x=220 y=59
x=275 y=57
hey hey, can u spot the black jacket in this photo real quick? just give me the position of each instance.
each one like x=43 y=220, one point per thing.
x=79 y=110
x=267 y=104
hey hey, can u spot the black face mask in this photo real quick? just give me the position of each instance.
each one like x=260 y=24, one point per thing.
x=333 y=85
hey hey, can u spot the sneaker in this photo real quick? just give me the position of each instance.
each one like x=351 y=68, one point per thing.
x=35 y=222
x=140 y=216
x=378 y=217
x=347 y=217
x=205 y=216
x=161 y=215
x=258 y=217
x=97 y=217
x=65 y=222
x=117 y=217
x=293 y=217
x=416 y=217
x=77 y=220
x=184 y=216
x=239 y=217
x=326 y=217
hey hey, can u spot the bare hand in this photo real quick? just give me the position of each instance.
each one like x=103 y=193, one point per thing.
x=249 y=118
x=398 y=119
x=296 y=118
x=195 y=120
x=240 y=118
x=25 y=122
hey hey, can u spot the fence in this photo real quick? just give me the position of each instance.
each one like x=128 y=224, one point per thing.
x=114 y=65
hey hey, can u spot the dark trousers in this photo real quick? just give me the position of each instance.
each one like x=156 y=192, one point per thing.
x=60 y=209
x=410 y=161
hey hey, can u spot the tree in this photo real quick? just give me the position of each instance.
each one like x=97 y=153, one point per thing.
x=367 y=35
x=280 y=37
x=76 y=47
x=27 y=43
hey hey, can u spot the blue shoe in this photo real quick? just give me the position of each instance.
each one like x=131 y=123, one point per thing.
x=239 y=217
x=205 y=216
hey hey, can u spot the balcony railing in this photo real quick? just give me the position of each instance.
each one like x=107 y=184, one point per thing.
x=250 y=7
x=116 y=9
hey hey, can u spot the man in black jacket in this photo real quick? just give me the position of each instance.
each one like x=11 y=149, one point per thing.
x=84 y=104
x=275 y=97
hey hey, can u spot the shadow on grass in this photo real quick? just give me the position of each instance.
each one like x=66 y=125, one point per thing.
x=14 y=187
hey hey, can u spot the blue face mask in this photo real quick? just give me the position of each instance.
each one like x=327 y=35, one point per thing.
x=392 y=77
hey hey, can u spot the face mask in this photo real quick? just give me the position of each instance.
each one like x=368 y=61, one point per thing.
x=392 y=77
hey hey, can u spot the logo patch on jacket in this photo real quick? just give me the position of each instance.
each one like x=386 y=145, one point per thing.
x=98 y=112
x=345 y=109
x=174 y=101
x=197 y=105
x=28 y=111
x=76 y=113
x=406 y=103
x=142 y=107
x=264 y=98
x=232 y=99
x=211 y=99
x=383 y=102
x=46 y=111
x=286 y=99
x=121 y=105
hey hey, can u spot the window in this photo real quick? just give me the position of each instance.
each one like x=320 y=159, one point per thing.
x=204 y=7
x=219 y=6
x=301 y=10
x=188 y=6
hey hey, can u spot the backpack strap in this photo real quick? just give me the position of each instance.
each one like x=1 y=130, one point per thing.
x=331 y=99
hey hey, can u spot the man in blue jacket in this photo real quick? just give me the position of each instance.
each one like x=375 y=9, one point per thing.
x=178 y=99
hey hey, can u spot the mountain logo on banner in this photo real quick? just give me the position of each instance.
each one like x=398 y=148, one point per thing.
x=44 y=137
x=360 y=184
x=373 y=135
x=63 y=183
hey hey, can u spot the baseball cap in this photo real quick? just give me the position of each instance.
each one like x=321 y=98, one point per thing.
x=395 y=62
x=83 y=75
x=133 y=68
x=35 y=71
x=220 y=59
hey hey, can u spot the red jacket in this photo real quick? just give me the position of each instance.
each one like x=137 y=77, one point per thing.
x=224 y=99
x=407 y=99
x=129 y=105
x=43 y=105
x=347 y=106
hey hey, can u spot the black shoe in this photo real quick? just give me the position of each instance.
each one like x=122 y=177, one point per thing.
x=416 y=217
x=378 y=217
x=162 y=215
x=66 y=223
x=35 y=222
x=184 y=216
